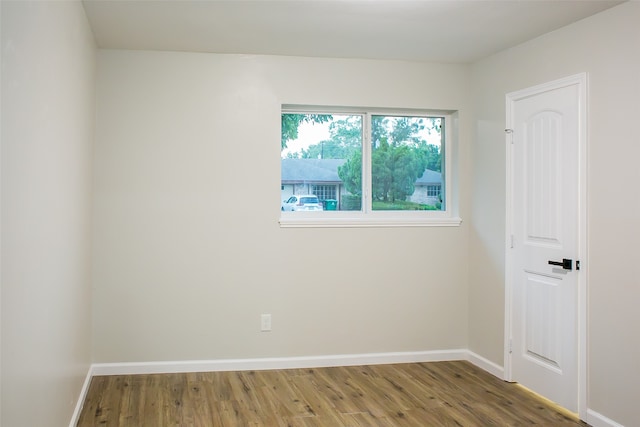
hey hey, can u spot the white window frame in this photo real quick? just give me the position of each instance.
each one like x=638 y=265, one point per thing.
x=367 y=217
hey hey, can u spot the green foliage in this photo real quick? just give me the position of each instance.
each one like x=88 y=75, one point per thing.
x=396 y=130
x=379 y=205
x=347 y=132
x=432 y=155
x=399 y=157
x=351 y=173
x=395 y=171
x=351 y=202
x=291 y=122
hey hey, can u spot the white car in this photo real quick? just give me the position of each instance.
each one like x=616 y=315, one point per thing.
x=305 y=202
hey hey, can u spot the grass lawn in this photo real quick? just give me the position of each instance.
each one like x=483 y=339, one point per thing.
x=401 y=206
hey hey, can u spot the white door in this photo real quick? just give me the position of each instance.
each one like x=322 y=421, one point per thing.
x=545 y=127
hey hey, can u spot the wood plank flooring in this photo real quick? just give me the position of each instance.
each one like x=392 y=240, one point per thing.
x=412 y=394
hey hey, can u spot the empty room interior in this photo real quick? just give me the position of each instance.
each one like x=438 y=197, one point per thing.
x=142 y=222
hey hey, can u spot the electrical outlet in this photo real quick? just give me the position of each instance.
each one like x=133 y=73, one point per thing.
x=265 y=322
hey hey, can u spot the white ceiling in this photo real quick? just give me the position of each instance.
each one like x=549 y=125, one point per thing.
x=416 y=30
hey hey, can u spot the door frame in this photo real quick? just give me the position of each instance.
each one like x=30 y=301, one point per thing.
x=511 y=98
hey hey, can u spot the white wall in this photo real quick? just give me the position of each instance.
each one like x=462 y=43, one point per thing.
x=185 y=261
x=607 y=47
x=48 y=106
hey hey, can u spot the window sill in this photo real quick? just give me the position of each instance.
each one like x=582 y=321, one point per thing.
x=326 y=221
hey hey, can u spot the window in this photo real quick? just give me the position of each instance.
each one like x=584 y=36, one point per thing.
x=433 y=190
x=374 y=167
x=325 y=192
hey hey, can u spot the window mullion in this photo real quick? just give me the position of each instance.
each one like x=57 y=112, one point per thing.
x=366 y=163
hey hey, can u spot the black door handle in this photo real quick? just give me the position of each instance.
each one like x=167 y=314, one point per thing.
x=567 y=264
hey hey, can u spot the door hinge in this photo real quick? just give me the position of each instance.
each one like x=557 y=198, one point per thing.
x=510 y=346
x=512 y=241
x=577 y=265
x=509 y=132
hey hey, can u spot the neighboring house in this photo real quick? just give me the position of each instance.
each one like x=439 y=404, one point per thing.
x=320 y=177
x=428 y=188
x=312 y=176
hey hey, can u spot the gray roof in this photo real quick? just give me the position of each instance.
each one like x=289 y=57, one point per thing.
x=326 y=171
x=311 y=170
x=429 y=177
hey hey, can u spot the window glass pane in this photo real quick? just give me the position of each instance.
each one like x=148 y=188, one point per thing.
x=321 y=156
x=406 y=163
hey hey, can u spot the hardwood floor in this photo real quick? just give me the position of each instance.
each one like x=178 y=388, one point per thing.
x=413 y=394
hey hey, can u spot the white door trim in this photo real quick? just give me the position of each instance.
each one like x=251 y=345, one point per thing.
x=511 y=98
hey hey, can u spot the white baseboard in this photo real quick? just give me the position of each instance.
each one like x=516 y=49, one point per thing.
x=277 y=363
x=485 y=364
x=596 y=419
x=83 y=395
